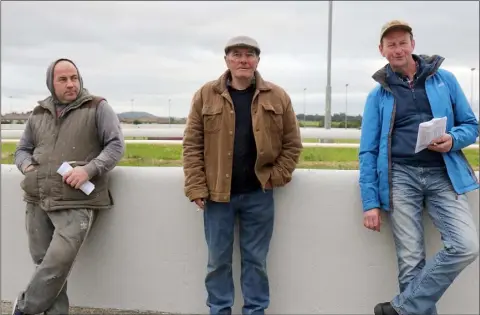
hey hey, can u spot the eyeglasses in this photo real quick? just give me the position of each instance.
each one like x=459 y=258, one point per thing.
x=249 y=55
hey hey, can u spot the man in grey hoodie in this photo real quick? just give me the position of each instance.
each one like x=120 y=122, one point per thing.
x=70 y=126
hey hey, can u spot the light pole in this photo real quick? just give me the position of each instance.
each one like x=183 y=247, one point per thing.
x=304 y=106
x=346 y=104
x=328 y=95
x=471 y=87
x=169 y=116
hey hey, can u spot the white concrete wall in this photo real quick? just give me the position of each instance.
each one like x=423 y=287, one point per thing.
x=149 y=251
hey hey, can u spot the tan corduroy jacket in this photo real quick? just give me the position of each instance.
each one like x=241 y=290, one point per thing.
x=209 y=138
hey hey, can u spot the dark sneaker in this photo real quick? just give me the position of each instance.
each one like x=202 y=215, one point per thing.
x=384 y=309
x=15 y=310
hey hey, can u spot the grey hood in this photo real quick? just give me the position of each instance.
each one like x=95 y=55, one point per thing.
x=49 y=79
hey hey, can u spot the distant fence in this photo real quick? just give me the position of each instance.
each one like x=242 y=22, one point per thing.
x=319 y=133
x=123 y=125
x=164 y=132
x=305 y=144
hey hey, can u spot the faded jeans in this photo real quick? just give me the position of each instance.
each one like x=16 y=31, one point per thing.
x=423 y=282
x=255 y=212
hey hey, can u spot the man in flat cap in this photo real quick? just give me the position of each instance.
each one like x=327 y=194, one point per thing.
x=241 y=141
x=394 y=177
x=72 y=126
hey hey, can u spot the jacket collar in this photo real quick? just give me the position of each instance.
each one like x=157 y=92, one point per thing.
x=221 y=84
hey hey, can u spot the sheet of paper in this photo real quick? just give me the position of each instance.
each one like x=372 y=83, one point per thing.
x=87 y=187
x=428 y=131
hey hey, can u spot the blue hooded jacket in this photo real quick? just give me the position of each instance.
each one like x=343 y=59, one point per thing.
x=446 y=99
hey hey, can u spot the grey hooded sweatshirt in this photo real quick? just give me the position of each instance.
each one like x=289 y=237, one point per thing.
x=106 y=129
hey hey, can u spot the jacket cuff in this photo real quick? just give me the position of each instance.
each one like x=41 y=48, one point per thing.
x=453 y=141
x=370 y=205
x=91 y=170
x=26 y=163
x=197 y=194
x=276 y=181
x=276 y=177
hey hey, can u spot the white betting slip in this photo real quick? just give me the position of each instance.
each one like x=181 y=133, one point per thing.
x=87 y=187
x=430 y=130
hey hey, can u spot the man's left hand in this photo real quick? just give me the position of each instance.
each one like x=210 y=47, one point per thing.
x=442 y=144
x=76 y=177
x=268 y=185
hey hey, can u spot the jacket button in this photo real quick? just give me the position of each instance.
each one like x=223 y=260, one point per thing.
x=230 y=132
x=227 y=176
x=231 y=112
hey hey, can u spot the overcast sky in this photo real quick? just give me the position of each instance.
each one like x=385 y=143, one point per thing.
x=155 y=51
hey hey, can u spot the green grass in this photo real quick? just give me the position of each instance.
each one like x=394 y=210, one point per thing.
x=308 y=123
x=334 y=141
x=171 y=155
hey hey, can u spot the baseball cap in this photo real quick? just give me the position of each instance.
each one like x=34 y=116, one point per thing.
x=394 y=24
x=242 y=41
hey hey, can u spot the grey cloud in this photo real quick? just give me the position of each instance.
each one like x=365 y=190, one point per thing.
x=158 y=50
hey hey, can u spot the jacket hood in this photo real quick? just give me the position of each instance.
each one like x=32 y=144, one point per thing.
x=431 y=63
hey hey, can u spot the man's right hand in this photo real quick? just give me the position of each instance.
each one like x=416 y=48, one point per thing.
x=29 y=168
x=200 y=203
x=372 y=219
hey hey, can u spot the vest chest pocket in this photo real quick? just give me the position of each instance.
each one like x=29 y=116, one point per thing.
x=212 y=118
x=273 y=116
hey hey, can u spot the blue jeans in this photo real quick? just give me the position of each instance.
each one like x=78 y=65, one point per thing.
x=255 y=213
x=423 y=282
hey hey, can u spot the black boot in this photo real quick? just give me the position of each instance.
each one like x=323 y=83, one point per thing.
x=15 y=310
x=384 y=309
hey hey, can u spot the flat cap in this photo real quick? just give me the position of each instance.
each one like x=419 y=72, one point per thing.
x=394 y=24
x=242 y=41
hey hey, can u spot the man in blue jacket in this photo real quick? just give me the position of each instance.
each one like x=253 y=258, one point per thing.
x=413 y=89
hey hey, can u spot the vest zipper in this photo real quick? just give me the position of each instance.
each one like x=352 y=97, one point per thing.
x=54 y=145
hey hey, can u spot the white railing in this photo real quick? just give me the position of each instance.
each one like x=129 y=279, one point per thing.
x=176 y=133
x=305 y=144
x=123 y=125
x=319 y=133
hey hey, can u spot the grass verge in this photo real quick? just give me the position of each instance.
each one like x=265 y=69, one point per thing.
x=171 y=155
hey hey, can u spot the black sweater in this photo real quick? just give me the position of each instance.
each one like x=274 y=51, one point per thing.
x=244 y=179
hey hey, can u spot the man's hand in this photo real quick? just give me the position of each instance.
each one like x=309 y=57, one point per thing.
x=442 y=144
x=372 y=219
x=29 y=168
x=268 y=185
x=200 y=203
x=76 y=177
